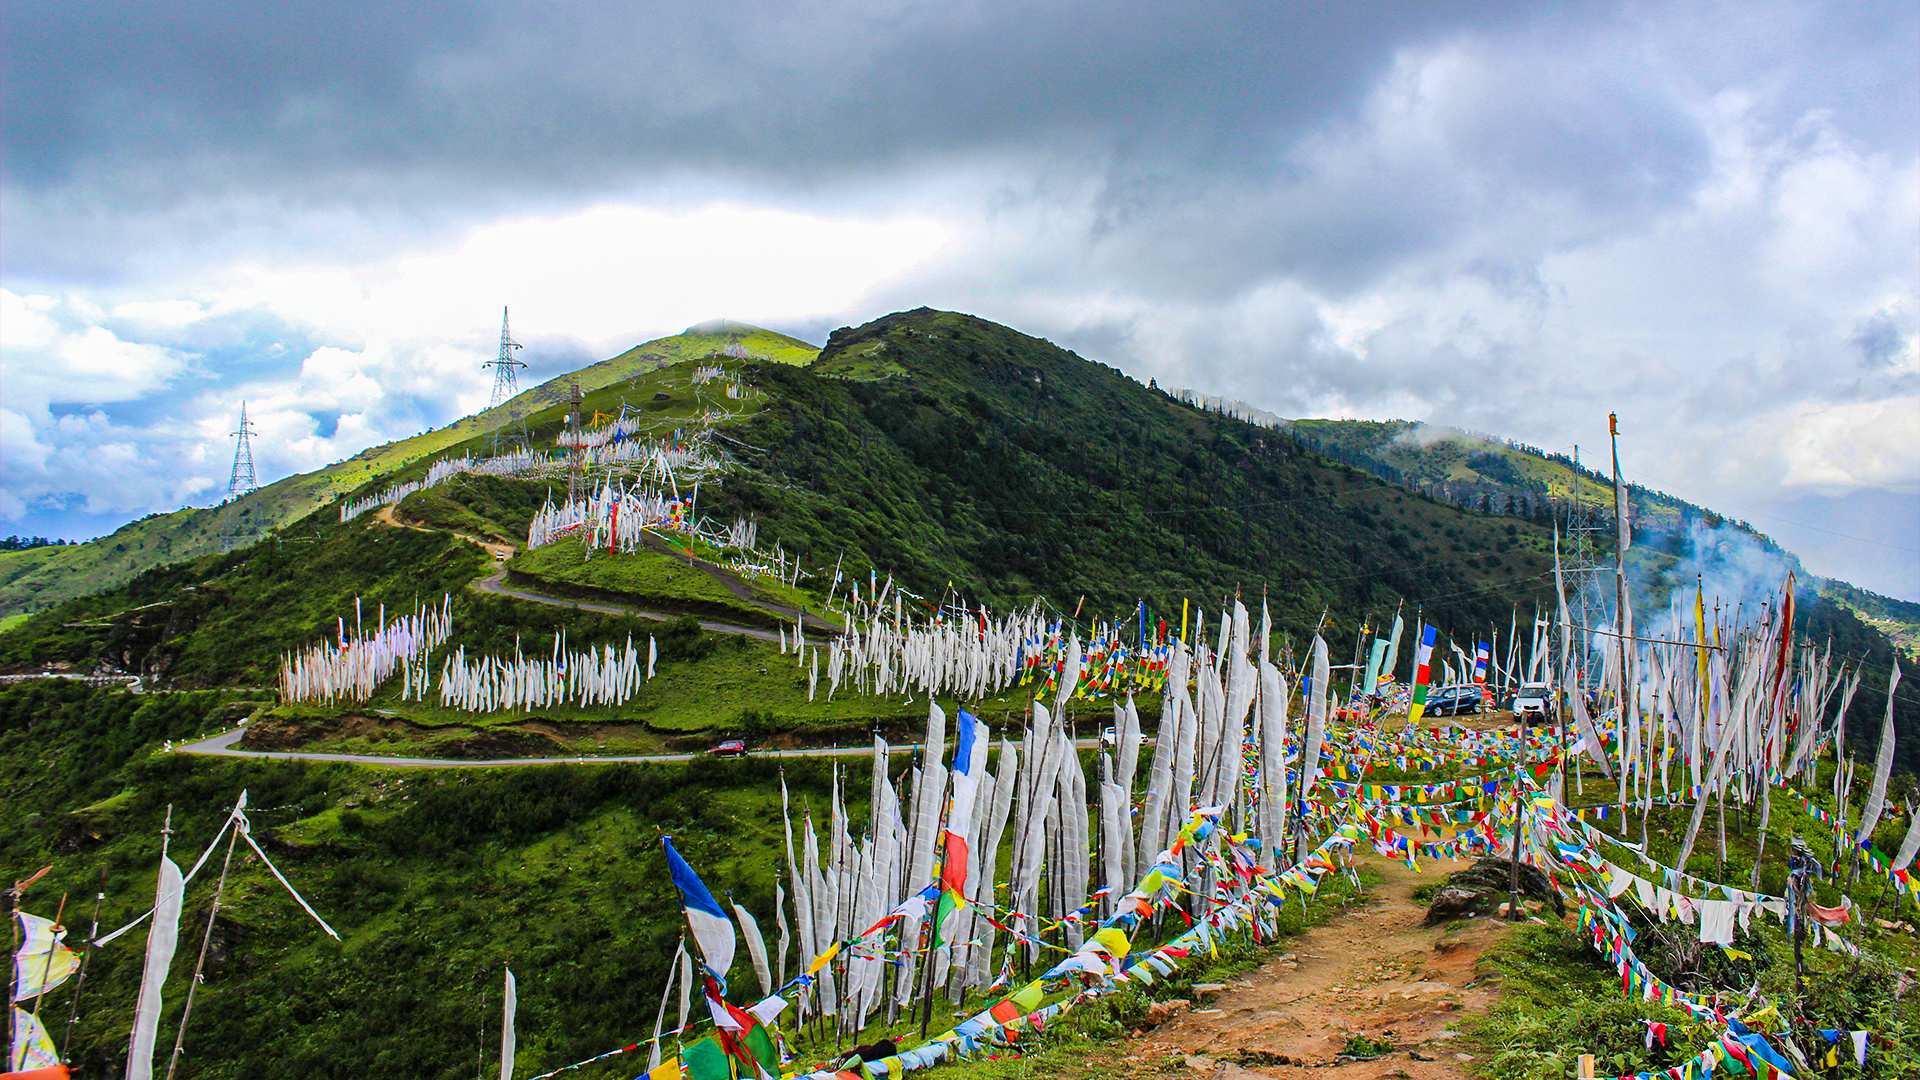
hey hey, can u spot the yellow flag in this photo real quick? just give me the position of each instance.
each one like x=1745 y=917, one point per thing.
x=666 y=1070
x=1115 y=940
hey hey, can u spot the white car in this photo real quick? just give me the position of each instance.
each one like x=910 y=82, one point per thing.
x=1533 y=699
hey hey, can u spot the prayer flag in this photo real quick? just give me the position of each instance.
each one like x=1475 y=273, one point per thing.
x=1422 y=673
x=953 y=868
x=709 y=923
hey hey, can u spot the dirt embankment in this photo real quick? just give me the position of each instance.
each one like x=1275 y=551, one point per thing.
x=277 y=733
x=1372 y=972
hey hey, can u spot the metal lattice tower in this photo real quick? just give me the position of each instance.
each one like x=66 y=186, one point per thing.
x=243 y=479
x=506 y=379
x=506 y=386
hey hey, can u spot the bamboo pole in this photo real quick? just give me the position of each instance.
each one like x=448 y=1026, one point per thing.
x=180 y=1040
x=46 y=969
x=80 y=981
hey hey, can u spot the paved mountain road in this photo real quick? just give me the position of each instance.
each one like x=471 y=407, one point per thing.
x=221 y=745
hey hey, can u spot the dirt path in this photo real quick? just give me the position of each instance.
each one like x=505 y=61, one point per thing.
x=1373 y=970
x=222 y=745
x=741 y=591
x=495 y=583
x=386 y=516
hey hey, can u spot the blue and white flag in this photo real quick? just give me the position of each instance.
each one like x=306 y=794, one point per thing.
x=712 y=930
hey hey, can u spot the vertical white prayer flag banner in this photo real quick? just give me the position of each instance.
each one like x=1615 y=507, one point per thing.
x=161 y=939
x=508 y=1041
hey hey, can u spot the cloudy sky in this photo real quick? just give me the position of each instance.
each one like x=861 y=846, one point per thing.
x=1509 y=217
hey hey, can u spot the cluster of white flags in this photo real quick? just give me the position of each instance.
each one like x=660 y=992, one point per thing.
x=590 y=677
x=1705 y=710
x=1073 y=834
x=612 y=518
x=516 y=463
x=623 y=442
x=970 y=657
x=354 y=665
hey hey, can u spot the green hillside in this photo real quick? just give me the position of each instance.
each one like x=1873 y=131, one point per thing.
x=32 y=580
x=932 y=448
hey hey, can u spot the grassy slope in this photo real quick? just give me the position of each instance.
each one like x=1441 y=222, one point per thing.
x=433 y=882
x=943 y=448
x=931 y=445
x=33 y=580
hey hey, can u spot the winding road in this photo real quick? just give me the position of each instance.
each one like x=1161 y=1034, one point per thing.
x=495 y=583
x=222 y=745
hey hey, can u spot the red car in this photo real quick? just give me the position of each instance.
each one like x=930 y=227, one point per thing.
x=730 y=748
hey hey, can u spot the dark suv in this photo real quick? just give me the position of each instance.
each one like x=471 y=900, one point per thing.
x=1453 y=700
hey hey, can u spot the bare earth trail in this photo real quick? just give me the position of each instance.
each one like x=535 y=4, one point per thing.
x=1372 y=970
x=495 y=583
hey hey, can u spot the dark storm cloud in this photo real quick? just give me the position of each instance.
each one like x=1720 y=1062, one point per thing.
x=1502 y=215
x=141 y=108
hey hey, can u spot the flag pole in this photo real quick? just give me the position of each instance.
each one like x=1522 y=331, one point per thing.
x=933 y=923
x=80 y=982
x=180 y=1040
x=46 y=969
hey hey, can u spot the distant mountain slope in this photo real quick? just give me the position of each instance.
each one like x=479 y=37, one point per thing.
x=1676 y=541
x=31 y=580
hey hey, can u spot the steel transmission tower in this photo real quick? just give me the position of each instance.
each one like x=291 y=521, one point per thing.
x=506 y=386
x=243 y=479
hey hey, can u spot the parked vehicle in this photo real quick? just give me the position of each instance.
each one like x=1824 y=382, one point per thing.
x=1109 y=739
x=1533 y=699
x=1457 y=700
x=730 y=748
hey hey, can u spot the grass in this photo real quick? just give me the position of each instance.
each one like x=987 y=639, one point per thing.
x=646 y=577
x=433 y=880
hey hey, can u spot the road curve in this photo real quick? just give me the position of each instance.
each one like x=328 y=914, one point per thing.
x=495 y=583
x=221 y=745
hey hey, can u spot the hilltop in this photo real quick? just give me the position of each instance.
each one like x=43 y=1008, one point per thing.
x=34 y=579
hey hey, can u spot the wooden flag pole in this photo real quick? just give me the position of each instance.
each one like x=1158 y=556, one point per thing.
x=180 y=1040
x=80 y=981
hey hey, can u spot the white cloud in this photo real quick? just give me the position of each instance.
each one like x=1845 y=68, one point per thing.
x=1868 y=444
